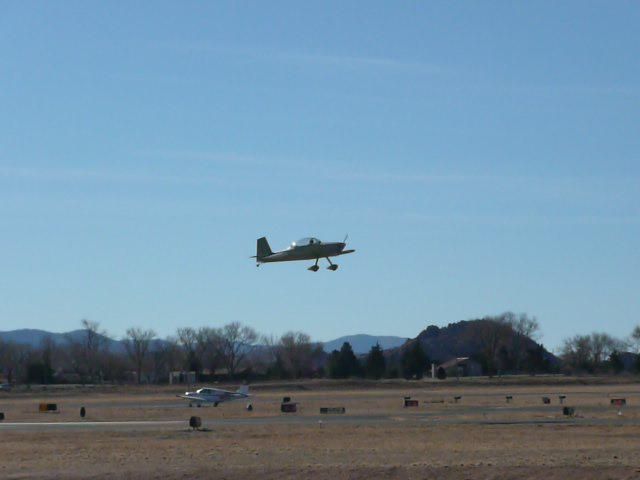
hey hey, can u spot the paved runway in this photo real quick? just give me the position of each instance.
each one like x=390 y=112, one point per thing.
x=426 y=420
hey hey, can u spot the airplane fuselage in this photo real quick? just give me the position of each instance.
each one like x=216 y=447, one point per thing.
x=306 y=252
x=212 y=396
x=305 y=249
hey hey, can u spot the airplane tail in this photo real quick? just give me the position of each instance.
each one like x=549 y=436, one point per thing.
x=263 y=248
x=244 y=389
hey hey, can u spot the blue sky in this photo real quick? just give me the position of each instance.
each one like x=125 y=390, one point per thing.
x=482 y=156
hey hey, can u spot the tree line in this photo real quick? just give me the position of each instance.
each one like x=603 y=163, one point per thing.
x=233 y=351
x=503 y=344
x=599 y=352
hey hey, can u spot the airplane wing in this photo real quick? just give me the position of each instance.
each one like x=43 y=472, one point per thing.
x=242 y=391
x=195 y=399
x=220 y=391
x=346 y=251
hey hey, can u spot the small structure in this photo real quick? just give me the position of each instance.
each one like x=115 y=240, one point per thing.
x=460 y=367
x=332 y=410
x=48 y=407
x=409 y=402
x=289 y=407
x=561 y=398
x=457 y=398
x=182 y=377
x=619 y=402
x=509 y=398
x=546 y=400
x=568 y=411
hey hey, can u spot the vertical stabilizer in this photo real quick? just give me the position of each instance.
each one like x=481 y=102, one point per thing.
x=263 y=250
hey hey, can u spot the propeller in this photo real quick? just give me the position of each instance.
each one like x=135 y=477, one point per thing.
x=345 y=238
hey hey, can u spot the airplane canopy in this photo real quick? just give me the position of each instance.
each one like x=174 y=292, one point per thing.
x=303 y=242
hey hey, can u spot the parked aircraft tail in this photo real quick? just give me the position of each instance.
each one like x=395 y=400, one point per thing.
x=244 y=389
x=263 y=250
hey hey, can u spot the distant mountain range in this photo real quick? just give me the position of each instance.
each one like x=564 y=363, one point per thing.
x=34 y=338
x=360 y=343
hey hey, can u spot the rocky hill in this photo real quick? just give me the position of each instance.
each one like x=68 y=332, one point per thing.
x=493 y=344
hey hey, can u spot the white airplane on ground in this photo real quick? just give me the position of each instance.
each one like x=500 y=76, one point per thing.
x=208 y=396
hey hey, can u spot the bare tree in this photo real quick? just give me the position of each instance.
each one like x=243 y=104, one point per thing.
x=493 y=333
x=14 y=358
x=166 y=357
x=634 y=339
x=187 y=339
x=577 y=353
x=137 y=345
x=603 y=345
x=295 y=354
x=208 y=347
x=87 y=351
x=236 y=341
x=589 y=352
x=524 y=328
x=201 y=347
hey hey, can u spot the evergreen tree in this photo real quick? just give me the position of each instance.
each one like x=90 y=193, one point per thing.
x=343 y=363
x=348 y=362
x=414 y=361
x=333 y=364
x=375 y=363
x=616 y=362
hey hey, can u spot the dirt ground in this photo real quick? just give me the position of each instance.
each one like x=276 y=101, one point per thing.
x=480 y=436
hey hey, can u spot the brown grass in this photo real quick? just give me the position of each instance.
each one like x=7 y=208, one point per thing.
x=409 y=445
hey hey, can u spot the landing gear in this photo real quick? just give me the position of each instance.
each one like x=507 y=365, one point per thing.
x=314 y=268
x=332 y=266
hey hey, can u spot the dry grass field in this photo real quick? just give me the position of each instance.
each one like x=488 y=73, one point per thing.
x=481 y=436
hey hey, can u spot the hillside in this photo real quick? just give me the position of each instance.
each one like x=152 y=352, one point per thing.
x=475 y=339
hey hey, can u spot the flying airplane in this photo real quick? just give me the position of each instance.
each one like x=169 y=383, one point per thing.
x=306 y=249
x=208 y=396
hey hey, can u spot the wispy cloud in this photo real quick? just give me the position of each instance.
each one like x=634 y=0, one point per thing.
x=311 y=58
x=560 y=184
x=198 y=156
x=354 y=61
x=520 y=220
x=75 y=175
x=408 y=178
